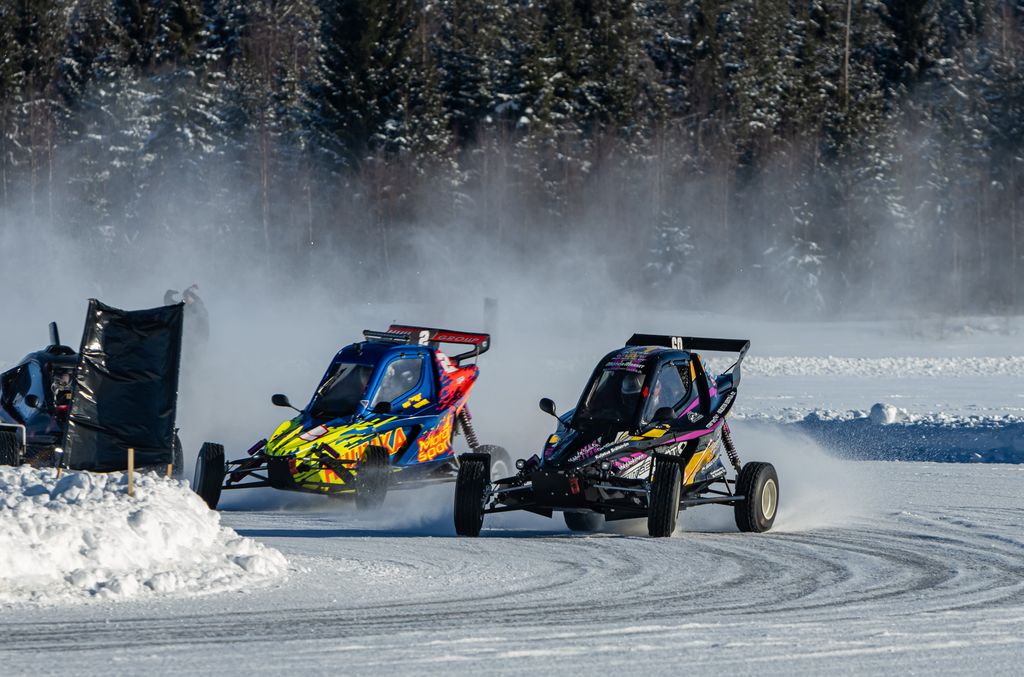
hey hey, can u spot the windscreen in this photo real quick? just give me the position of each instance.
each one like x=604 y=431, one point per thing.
x=671 y=388
x=341 y=394
x=612 y=397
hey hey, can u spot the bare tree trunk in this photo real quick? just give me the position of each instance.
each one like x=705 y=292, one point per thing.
x=846 y=59
x=1014 y=305
x=51 y=147
x=384 y=219
x=4 y=198
x=265 y=184
x=979 y=218
x=310 y=234
x=957 y=272
x=32 y=143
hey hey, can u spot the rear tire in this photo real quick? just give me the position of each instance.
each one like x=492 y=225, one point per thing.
x=209 y=477
x=663 y=509
x=470 y=486
x=372 y=478
x=501 y=462
x=10 y=447
x=758 y=483
x=584 y=522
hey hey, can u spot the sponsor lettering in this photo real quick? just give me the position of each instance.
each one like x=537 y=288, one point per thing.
x=585 y=452
x=721 y=408
x=437 y=442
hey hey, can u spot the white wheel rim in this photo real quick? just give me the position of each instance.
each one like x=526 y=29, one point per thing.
x=769 y=499
x=499 y=470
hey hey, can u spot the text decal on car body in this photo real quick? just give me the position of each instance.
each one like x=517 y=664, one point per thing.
x=722 y=408
x=632 y=359
x=436 y=443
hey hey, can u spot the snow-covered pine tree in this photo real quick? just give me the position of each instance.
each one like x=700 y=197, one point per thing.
x=30 y=38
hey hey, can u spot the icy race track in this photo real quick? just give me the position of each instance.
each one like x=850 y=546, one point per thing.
x=930 y=576
x=873 y=567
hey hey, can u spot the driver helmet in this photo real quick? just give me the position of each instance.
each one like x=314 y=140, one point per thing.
x=406 y=372
x=632 y=384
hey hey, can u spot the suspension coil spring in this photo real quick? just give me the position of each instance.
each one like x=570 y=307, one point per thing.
x=730 y=448
x=466 y=421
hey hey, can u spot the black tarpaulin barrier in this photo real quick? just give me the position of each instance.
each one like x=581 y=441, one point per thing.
x=126 y=388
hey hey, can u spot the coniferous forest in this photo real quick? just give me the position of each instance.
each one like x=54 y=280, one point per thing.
x=821 y=152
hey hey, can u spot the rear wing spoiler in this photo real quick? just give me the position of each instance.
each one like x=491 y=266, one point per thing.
x=720 y=345
x=432 y=336
x=690 y=343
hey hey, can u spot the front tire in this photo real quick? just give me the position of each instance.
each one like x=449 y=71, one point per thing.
x=663 y=509
x=209 y=477
x=758 y=483
x=10 y=448
x=372 y=478
x=470 y=485
x=584 y=522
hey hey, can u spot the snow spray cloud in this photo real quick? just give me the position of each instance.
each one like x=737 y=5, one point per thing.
x=276 y=321
x=288 y=284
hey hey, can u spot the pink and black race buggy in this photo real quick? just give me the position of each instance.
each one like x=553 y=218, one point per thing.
x=643 y=441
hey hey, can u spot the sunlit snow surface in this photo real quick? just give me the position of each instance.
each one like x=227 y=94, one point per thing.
x=919 y=568
x=873 y=567
x=82 y=538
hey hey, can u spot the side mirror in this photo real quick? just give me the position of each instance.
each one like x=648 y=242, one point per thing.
x=32 y=401
x=547 y=405
x=382 y=408
x=664 y=415
x=280 y=400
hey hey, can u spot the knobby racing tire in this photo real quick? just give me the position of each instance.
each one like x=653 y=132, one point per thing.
x=470 y=485
x=501 y=462
x=178 y=460
x=759 y=485
x=372 y=478
x=10 y=447
x=663 y=508
x=209 y=477
x=586 y=522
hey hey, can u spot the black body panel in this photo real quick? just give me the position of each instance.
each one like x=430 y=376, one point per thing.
x=126 y=388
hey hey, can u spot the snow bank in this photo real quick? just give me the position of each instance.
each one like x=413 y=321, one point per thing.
x=82 y=537
x=889 y=433
x=874 y=367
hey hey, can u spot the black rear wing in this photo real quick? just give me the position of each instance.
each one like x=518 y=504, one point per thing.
x=691 y=343
x=720 y=345
x=432 y=336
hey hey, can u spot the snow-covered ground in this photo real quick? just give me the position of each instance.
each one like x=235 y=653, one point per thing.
x=82 y=538
x=919 y=570
x=873 y=566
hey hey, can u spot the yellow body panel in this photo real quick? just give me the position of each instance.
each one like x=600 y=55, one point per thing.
x=344 y=442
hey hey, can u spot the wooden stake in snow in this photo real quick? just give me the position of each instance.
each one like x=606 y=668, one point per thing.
x=131 y=471
x=170 y=469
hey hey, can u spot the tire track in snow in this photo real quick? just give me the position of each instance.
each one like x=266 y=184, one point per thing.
x=886 y=569
x=907 y=582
